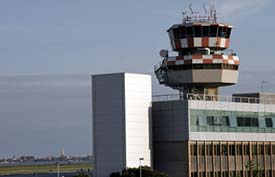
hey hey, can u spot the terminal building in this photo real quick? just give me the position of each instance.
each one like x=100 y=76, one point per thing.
x=196 y=133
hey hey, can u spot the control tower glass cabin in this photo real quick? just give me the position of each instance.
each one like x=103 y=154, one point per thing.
x=203 y=63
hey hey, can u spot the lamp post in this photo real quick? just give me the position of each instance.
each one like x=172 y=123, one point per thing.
x=140 y=159
x=57 y=169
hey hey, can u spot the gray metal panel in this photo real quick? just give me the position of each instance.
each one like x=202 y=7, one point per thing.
x=108 y=123
x=170 y=121
x=171 y=158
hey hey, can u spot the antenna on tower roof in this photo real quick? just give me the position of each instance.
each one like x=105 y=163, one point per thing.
x=192 y=12
x=194 y=16
x=205 y=10
x=212 y=8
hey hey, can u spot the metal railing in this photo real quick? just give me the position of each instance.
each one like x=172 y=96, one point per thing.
x=170 y=97
x=217 y=98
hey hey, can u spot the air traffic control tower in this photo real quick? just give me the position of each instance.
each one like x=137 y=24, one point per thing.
x=197 y=133
x=200 y=133
x=202 y=64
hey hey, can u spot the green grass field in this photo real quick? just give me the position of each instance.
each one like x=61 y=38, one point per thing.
x=42 y=169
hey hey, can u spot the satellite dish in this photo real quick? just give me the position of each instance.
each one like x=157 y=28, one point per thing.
x=163 y=53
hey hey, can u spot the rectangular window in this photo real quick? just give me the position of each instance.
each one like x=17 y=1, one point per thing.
x=209 y=149
x=197 y=31
x=224 y=149
x=220 y=30
x=254 y=149
x=189 y=32
x=182 y=32
x=268 y=122
x=194 y=174
x=201 y=149
x=176 y=33
x=239 y=149
x=240 y=122
x=217 y=121
x=267 y=149
x=254 y=122
x=246 y=122
x=224 y=31
x=273 y=149
x=217 y=150
x=193 y=149
x=225 y=121
x=246 y=149
x=232 y=149
x=205 y=31
x=261 y=149
x=213 y=31
x=210 y=120
x=228 y=32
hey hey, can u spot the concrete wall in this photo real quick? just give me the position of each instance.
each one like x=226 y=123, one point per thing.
x=121 y=115
x=138 y=98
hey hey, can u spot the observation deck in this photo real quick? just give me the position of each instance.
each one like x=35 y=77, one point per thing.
x=203 y=63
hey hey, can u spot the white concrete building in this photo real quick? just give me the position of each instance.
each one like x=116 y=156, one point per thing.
x=121 y=121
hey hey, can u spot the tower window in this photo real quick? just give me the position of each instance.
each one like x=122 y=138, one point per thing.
x=222 y=32
x=228 y=32
x=182 y=32
x=220 y=29
x=197 y=31
x=205 y=31
x=213 y=31
x=176 y=33
x=189 y=32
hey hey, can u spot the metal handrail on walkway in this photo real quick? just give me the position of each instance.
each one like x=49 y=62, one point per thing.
x=217 y=98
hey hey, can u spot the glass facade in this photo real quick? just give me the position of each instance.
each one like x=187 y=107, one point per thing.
x=231 y=121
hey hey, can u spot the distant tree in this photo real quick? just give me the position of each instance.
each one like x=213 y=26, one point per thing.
x=82 y=174
x=134 y=172
x=115 y=174
x=252 y=167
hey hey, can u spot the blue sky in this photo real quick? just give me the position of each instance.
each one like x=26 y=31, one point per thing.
x=95 y=36
x=48 y=49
